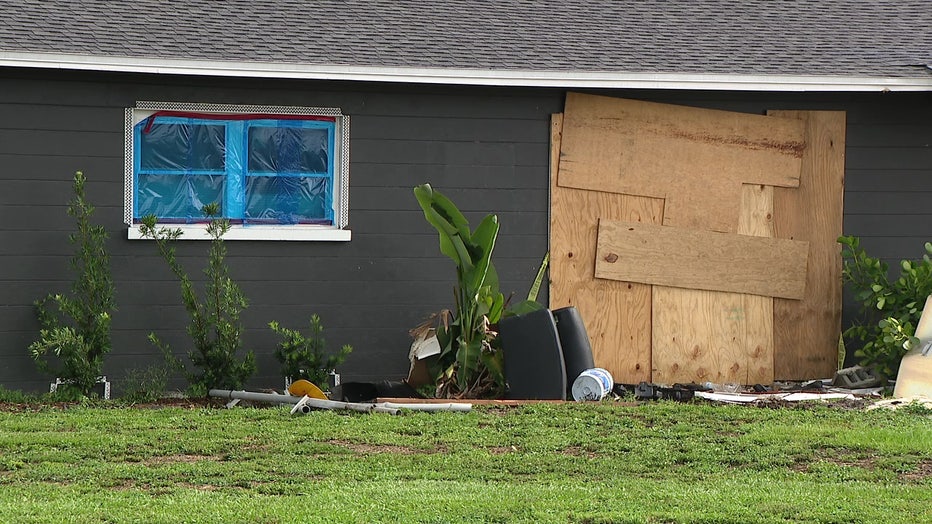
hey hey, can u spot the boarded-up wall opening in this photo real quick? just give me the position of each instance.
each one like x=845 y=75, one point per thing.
x=699 y=244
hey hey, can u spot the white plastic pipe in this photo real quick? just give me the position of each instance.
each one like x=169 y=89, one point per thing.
x=255 y=397
x=305 y=404
x=431 y=408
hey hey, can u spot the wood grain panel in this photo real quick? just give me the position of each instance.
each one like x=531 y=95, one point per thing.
x=707 y=260
x=695 y=158
x=806 y=331
x=709 y=335
x=756 y=219
x=698 y=336
x=616 y=314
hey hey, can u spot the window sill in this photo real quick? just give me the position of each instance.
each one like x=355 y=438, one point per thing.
x=280 y=233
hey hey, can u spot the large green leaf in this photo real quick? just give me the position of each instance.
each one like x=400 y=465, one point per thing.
x=468 y=357
x=449 y=222
x=523 y=307
x=484 y=241
x=494 y=362
x=535 y=287
x=498 y=304
x=443 y=208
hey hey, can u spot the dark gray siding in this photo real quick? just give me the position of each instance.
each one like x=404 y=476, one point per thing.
x=487 y=148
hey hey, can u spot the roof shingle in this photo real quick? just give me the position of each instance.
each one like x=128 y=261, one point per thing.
x=872 y=38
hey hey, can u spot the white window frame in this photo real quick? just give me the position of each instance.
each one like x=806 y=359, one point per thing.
x=295 y=232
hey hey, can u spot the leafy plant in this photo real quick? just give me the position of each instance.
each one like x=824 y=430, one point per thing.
x=215 y=328
x=77 y=330
x=305 y=357
x=890 y=308
x=470 y=363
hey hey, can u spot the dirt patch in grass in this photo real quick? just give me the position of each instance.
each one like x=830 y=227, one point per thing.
x=178 y=459
x=184 y=403
x=502 y=450
x=578 y=451
x=14 y=407
x=372 y=449
x=839 y=457
x=922 y=472
x=842 y=404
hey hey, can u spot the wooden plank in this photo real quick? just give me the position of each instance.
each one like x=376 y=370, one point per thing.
x=616 y=314
x=709 y=335
x=677 y=153
x=807 y=330
x=708 y=260
x=756 y=219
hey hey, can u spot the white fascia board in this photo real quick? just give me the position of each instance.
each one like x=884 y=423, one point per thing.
x=294 y=233
x=485 y=77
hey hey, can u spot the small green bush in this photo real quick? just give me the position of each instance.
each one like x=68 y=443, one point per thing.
x=215 y=328
x=889 y=308
x=305 y=357
x=75 y=334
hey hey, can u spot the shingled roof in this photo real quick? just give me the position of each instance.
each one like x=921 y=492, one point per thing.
x=505 y=41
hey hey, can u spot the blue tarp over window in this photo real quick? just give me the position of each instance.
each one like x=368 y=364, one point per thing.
x=261 y=170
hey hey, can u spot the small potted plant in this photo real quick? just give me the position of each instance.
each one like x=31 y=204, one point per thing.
x=306 y=357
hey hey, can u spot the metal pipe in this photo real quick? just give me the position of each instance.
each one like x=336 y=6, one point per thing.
x=255 y=397
x=301 y=404
x=305 y=404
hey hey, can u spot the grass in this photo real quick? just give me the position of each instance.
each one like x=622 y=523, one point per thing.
x=594 y=463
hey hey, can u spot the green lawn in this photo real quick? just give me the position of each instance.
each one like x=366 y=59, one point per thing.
x=658 y=463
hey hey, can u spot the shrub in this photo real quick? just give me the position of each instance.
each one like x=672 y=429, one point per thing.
x=215 y=329
x=75 y=328
x=305 y=357
x=889 y=308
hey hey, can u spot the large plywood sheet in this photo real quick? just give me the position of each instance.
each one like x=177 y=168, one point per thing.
x=806 y=331
x=696 y=159
x=616 y=314
x=708 y=260
x=715 y=336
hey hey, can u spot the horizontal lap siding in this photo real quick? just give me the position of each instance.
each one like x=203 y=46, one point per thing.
x=487 y=148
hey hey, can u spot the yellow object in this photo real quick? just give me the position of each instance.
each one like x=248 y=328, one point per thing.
x=302 y=387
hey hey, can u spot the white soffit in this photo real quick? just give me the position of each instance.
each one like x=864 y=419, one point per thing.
x=485 y=77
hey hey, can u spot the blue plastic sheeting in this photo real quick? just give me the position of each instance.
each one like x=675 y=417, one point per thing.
x=235 y=195
x=287 y=200
x=183 y=147
x=262 y=170
x=178 y=197
x=288 y=150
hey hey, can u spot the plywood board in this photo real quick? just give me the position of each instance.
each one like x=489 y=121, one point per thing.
x=806 y=331
x=714 y=336
x=698 y=336
x=696 y=159
x=708 y=260
x=756 y=219
x=616 y=314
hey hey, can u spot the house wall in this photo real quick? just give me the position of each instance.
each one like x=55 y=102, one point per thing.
x=486 y=148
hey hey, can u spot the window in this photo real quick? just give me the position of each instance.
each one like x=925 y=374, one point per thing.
x=278 y=173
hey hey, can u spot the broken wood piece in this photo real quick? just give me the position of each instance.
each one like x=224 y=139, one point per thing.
x=707 y=260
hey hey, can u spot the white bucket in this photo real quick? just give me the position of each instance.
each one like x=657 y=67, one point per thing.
x=592 y=384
